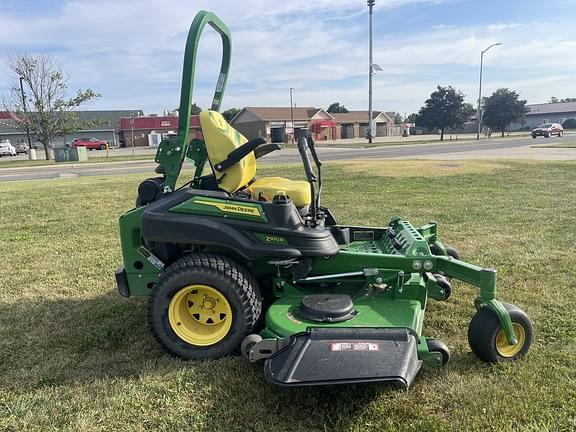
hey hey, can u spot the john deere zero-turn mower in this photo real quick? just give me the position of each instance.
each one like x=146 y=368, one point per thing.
x=236 y=262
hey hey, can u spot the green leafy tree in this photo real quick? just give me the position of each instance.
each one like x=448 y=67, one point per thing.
x=411 y=118
x=49 y=112
x=397 y=117
x=569 y=123
x=444 y=109
x=229 y=114
x=503 y=108
x=195 y=109
x=337 y=108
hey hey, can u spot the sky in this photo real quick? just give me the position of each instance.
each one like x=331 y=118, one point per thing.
x=131 y=51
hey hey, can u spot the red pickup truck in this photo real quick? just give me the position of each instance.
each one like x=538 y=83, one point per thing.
x=91 y=143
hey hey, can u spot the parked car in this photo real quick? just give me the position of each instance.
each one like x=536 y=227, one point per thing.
x=7 y=149
x=21 y=148
x=547 y=130
x=91 y=143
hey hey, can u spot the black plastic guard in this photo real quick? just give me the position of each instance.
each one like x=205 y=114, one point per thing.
x=327 y=356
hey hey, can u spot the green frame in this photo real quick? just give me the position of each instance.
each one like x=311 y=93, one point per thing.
x=172 y=152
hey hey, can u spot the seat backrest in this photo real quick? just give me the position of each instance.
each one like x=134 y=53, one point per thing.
x=220 y=139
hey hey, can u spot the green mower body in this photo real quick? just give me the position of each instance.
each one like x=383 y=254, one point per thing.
x=319 y=303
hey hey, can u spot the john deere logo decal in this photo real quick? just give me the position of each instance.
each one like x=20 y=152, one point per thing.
x=220 y=208
x=231 y=208
x=240 y=209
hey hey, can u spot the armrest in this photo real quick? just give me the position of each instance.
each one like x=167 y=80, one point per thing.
x=237 y=155
x=264 y=149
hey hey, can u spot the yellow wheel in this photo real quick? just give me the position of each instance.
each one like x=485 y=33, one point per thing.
x=488 y=340
x=504 y=349
x=203 y=306
x=200 y=315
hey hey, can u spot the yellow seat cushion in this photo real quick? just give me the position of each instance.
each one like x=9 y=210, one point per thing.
x=297 y=191
x=221 y=139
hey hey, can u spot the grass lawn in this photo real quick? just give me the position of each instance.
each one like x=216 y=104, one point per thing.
x=75 y=356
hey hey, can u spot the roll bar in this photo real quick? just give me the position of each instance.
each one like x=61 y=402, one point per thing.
x=172 y=152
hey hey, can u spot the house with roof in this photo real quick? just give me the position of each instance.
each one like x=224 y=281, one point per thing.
x=354 y=124
x=557 y=112
x=275 y=123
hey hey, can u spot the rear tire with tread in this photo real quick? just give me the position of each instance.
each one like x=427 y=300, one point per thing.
x=230 y=279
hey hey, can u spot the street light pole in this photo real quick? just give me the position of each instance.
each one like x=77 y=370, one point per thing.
x=31 y=151
x=292 y=114
x=370 y=72
x=479 y=111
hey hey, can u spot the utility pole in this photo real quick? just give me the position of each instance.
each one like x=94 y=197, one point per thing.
x=292 y=114
x=370 y=72
x=479 y=110
x=31 y=151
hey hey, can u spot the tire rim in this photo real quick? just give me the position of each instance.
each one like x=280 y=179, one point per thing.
x=504 y=348
x=200 y=315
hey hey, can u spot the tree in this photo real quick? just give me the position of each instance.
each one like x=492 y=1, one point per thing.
x=337 y=108
x=411 y=118
x=229 y=114
x=569 y=123
x=444 y=109
x=397 y=117
x=554 y=99
x=503 y=108
x=195 y=109
x=49 y=112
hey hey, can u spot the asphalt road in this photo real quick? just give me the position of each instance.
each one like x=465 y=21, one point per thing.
x=508 y=148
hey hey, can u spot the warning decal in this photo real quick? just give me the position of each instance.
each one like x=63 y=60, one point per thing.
x=354 y=346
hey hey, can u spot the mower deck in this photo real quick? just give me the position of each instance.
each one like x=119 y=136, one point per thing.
x=326 y=356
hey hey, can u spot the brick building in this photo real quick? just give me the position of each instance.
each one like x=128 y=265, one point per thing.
x=137 y=131
x=275 y=123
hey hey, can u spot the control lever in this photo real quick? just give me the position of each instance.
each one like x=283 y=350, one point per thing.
x=302 y=147
x=312 y=148
x=310 y=175
x=318 y=163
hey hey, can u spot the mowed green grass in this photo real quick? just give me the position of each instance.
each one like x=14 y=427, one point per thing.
x=74 y=355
